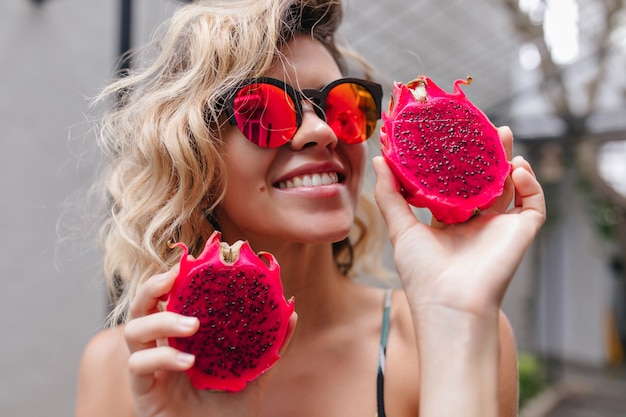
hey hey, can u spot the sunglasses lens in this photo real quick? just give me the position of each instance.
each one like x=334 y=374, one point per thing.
x=265 y=114
x=351 y=112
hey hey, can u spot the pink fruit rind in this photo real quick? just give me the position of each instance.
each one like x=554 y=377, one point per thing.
x=243 y=314
x=443 y=150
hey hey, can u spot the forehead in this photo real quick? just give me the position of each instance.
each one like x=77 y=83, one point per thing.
x=305 y=63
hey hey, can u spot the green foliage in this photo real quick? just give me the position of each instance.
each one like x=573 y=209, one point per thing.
x=532 y=377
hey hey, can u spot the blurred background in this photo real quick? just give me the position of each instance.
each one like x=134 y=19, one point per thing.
x=553 y=70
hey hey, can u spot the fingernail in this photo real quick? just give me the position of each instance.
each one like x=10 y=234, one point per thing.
x=187 y=322
x=185 y=358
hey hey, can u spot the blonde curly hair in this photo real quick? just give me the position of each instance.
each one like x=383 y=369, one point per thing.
x=163 y=177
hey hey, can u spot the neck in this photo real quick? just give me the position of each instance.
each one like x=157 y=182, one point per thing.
x=309 y=274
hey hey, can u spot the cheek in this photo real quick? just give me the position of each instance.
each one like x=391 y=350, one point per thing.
x=357 y=157
x=246 y=165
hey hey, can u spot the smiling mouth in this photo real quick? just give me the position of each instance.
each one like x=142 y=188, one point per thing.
x=310 y=180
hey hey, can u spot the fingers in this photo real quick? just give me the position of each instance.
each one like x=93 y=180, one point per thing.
x=150 y=293
x=393 y=206
x=506 y=136
x=147 y=326
x=503 y=202
x=529 y=198
x=144 y=364
x=293 y=320
x=142 y=333
x=147 y=357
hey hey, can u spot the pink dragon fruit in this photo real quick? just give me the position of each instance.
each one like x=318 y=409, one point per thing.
x=443 y=150
x=238 y=297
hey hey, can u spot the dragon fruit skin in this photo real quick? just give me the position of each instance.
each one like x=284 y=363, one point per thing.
x=244 y=317
x=443 y=150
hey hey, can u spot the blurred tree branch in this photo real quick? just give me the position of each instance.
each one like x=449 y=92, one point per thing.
x=577 y=137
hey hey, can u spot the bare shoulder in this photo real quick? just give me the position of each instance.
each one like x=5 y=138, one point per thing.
x=401 y=367
x=402 y=316
x=508 y=378
x=103 y=384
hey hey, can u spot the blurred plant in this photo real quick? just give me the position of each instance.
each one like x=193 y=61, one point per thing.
x=532 y=377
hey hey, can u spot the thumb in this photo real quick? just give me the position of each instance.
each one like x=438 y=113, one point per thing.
x=395 y=210
x=293 y=320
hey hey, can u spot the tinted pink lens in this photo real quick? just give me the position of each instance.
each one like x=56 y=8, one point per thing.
x=265 y=114
x=351 y=112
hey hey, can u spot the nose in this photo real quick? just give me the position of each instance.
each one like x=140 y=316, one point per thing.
x=313 y=131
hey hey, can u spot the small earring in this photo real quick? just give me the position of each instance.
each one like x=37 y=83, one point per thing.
x=343 y=253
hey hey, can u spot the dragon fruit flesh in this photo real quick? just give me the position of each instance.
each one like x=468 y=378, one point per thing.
x=238 y=297
x=443 y=150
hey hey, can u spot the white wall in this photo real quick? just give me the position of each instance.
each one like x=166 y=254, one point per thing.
x=53 y=58
x=575 y=284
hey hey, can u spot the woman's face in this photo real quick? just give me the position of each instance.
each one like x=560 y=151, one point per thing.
x=257 y=205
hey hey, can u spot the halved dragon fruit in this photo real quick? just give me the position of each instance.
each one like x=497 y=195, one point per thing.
x=443 y=150
x=238 y=297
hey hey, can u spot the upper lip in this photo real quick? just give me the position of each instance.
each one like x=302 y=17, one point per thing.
x=313 y=168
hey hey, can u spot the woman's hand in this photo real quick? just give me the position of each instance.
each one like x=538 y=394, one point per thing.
x=466 y=266
x=159 y=385
x=455 y=277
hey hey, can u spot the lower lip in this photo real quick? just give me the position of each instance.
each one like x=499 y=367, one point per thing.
x=321 y=191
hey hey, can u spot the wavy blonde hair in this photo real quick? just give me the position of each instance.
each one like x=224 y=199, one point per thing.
x=163 y=177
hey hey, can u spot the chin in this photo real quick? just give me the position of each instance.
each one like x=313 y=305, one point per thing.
x=327 y=233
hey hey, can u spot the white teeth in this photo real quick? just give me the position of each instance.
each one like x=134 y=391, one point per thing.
x=310 y=180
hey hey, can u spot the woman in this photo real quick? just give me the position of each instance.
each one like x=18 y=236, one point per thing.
x=182 y=167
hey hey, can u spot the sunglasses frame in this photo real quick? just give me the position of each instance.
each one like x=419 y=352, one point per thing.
x=317 y=97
